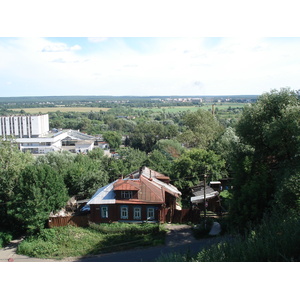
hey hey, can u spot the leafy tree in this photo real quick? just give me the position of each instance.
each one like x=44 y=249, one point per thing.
x=226 y=146
x=146 y=135
x=12 y=162
x=287 y=194
x=271 y=131
x=171 y=148
x=40 y=190
x=201 y=129
x=122 y=125
x=96 y=153
x=190 y=168
x=113 y=138
x=84 y=177
x=132 y=159
x=159 y=162
x=272 y=125
x=60 y=161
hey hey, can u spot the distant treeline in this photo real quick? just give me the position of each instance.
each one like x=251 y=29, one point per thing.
x=35 y=99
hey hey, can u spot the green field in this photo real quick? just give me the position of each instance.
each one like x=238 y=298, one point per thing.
x=175 y=109
x=171 y=109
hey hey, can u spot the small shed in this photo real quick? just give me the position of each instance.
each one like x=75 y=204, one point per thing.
x=211 y=195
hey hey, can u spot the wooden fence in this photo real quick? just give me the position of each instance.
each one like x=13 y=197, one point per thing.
x=78 y=221
x=180 y=216
x=186 y=215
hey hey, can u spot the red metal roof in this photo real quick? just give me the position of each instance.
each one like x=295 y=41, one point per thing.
x=127 y=185
x=147 y=189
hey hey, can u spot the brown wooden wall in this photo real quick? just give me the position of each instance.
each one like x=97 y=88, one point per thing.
x=114 y=213
x=186 y=215
x=78 y=221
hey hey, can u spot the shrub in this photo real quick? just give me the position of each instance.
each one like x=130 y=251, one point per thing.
x=277 y=238
x=5 y=238
x=144 y=228
x=200 y=230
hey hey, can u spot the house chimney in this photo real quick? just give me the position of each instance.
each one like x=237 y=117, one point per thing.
x=140 y=171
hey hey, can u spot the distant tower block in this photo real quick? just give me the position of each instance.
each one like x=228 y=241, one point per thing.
x=24 y=126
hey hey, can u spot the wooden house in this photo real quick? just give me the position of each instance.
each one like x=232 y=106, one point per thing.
x=144 y=195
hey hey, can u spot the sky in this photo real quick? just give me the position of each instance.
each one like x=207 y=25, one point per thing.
x=65 y=48
x=147 y=66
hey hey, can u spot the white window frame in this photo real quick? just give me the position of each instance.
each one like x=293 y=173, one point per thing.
x=104 y=212
x=126 y=194
x=137 y=213
x=150 y=213
x=124 y=212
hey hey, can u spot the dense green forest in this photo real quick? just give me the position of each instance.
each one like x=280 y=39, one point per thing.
x=257 y=145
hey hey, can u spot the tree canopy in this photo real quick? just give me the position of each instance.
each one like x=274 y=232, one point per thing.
x=201 y=129
x=270 y=133
x=40 y=190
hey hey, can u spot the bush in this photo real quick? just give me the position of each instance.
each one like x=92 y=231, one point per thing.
x=200 y=230
x=276 y=239
x=126 y=228
x=5 y=238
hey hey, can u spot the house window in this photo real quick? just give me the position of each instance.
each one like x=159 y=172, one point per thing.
x=150 y=213
x=124 y=212
x=126 y=194
x=137 y=213
x=104 y=212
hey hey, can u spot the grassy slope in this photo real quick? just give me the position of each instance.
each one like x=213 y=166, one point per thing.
x=71 y=241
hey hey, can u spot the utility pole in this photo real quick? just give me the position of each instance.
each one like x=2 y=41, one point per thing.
x=205 y=201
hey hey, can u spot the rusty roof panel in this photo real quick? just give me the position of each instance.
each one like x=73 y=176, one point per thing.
x=127 y=185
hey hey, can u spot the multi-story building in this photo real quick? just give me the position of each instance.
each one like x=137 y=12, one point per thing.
x=32 y=134
x=24 y=126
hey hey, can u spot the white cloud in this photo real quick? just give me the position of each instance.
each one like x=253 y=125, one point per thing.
x=60 y=47
x=151 y=66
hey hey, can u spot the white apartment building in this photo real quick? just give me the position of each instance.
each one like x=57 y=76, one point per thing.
x=32 y=134
x=24 y=126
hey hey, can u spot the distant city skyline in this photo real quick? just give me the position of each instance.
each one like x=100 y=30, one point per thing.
x=147 y=66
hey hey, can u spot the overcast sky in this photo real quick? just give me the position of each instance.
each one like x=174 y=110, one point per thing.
x=246 y=64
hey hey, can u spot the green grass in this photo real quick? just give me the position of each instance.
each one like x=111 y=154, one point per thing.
x=192 y=108
x=276 y=239
x=70 y=241
x=168 y=109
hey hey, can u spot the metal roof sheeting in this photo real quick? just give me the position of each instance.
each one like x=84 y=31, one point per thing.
x=104 y=195
x=149 y=188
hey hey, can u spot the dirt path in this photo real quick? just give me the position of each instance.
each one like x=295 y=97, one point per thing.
x=8 y=254
x=179 y=235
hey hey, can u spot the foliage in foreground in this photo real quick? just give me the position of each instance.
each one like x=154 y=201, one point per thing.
x=268 y=149
x=40 y=191
x=5 y=238
x=276 y=239
x=201 y=230
x=73 y=241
